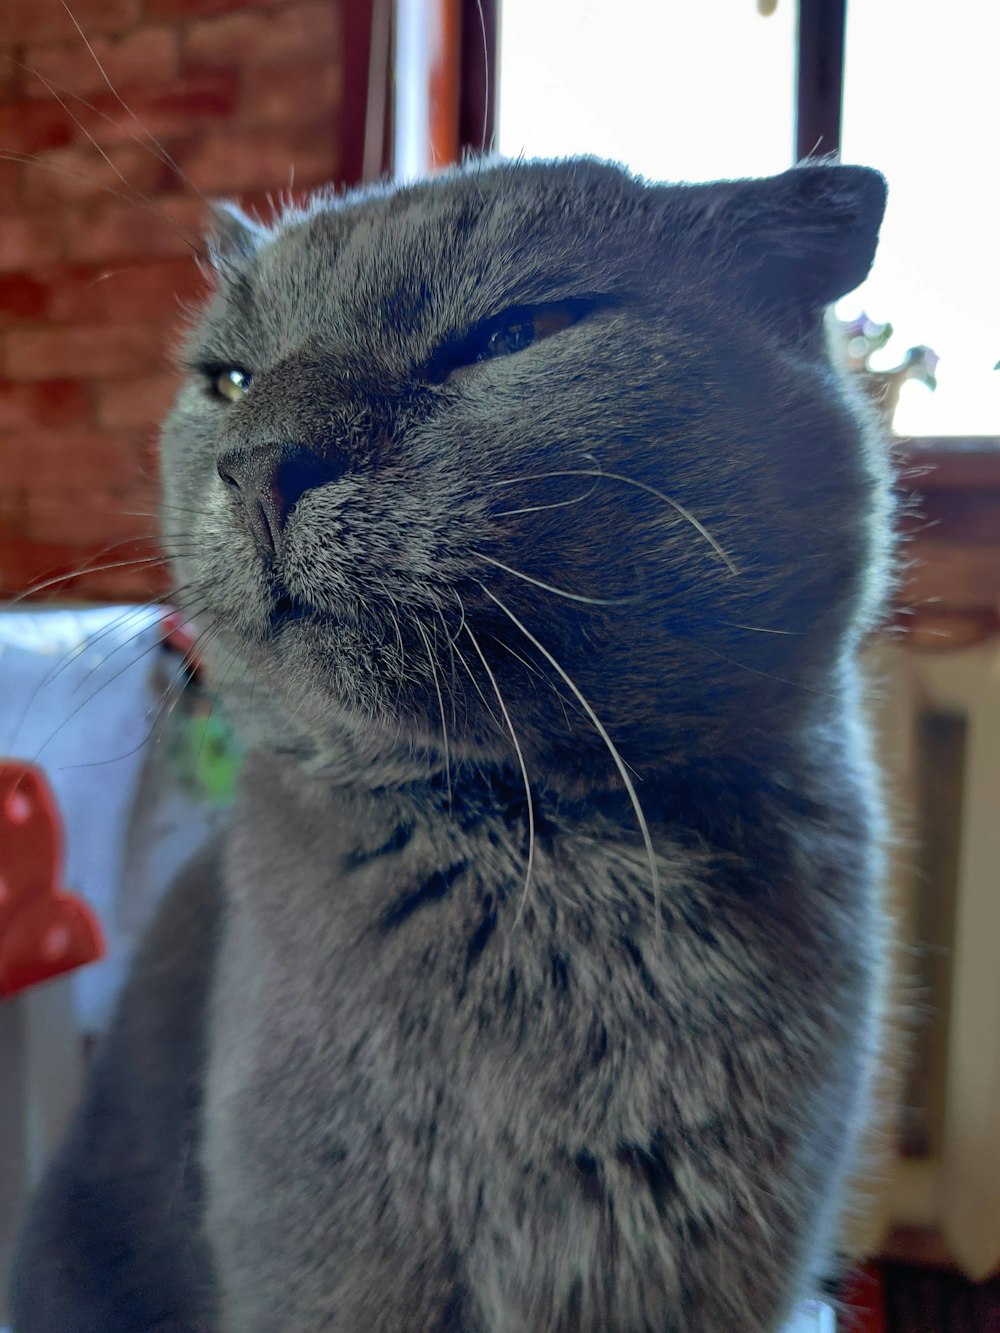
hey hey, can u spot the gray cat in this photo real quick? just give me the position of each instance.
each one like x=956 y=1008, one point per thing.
x=532 y=537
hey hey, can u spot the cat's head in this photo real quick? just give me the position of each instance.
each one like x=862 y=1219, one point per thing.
x=532 y=447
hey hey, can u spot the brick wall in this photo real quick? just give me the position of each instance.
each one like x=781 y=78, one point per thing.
x=238 y=93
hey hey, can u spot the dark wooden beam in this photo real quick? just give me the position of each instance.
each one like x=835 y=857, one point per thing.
x=480 y=75
x=819 y=77
x=356 y=18
x=952 y=462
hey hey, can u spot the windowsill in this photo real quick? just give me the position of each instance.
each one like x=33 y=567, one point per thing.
x=950 y=595
x=956 y=462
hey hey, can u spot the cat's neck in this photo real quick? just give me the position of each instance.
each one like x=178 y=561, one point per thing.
x=722 y=804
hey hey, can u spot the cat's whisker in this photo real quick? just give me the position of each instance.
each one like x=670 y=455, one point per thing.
x=166 y=508
x=540 y=509
x=172 y=694
x=145 y=140
x=440 y=698
x=454 y=675
x=486 y=75
x=149 y=537
x=394 y=614
x=145 y=137
x=91 y=640
x=233 y=657
x=30 y=160
x=77 y=651
x=68 y=575
x=662 y=496
x=529 y=866
x=547 y=682
x=141 y=513
x=461 y=625
x=293 y=715
x=157 y=643
x=137 y=196
x=760 y=629
x=475 y=683
x=766 y=675
x=127 y=642
x=548 y=587
x=602 y=731
x=96 y=555
x=253 y=690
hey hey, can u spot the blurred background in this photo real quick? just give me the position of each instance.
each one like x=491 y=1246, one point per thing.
x=119 y=118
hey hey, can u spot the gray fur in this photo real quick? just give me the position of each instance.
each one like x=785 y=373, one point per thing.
x=437 y=1095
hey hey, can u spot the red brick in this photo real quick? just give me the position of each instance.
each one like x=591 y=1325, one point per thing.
x=49 y=403
x=61 y=403
x=25 y=565
x=115 y=231
x=239 y=91
x=15 y=560
x=26 y=21
x=144 y=56
x=21 y=297
x=10 y=185
x=135 y=404
x=58 y=515
x=31 y=127
x=50 y=460
x=209 y=95
x=144 y=583
x=29 y=242
x=15 y=414
x=85 y=352
x=242 y=40
x=13 y=505
x=71 y=457
x=80 y=172
x=21 y=565
x=10 y=73
x=266 y=158
x=288 y=94
x=157 y=10
x=123 y=293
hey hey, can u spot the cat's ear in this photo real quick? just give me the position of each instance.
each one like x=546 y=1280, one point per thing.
x=233 y=237
x=797 y=241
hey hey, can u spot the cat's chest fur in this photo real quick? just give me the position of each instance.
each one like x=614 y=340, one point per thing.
x=400 y=1052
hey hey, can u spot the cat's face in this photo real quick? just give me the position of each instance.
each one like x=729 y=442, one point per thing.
x=526 y=447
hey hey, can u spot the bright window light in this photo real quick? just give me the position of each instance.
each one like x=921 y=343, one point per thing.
x=682 y=90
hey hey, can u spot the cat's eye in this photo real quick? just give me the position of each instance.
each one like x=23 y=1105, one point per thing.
x=229 y=382
x=505 y=335
x=513 y=338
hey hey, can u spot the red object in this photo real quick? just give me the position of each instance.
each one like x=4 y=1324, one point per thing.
x=862 y=1299
x=181 y=637
x=43 y=929
x=177 y=633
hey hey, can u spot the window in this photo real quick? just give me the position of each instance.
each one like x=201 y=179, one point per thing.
x=676 y=89
x=920 y=103
x=687 y=91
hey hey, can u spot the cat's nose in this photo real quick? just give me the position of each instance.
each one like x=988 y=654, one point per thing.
x=270 y=479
